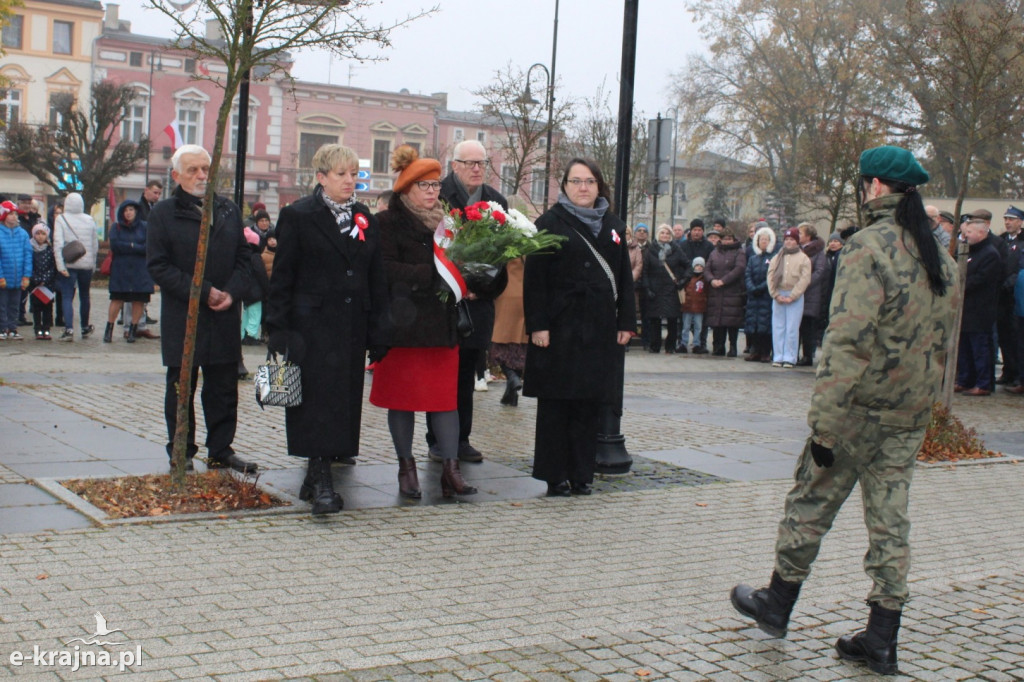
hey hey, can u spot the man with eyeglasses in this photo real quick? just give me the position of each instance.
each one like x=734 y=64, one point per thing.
x=465 y=186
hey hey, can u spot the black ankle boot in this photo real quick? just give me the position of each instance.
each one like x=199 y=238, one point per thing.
x=325 y=500
x=769 y=606
x=108 y=333
x=512 y=385
x=875 y=645
x=133 y=329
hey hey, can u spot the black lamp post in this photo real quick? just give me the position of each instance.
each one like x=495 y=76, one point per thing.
x=675 y=152
x=528 y=98
x=154 y=62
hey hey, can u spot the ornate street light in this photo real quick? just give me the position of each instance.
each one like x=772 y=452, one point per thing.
x=529 y=99
x=154 y=61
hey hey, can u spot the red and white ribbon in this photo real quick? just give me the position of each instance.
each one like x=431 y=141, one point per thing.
x=615 y=237
x=361 y=224
x=449 y=273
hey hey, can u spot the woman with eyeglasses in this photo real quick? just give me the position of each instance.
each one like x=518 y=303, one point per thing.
x=420 y=371
x=580 y=314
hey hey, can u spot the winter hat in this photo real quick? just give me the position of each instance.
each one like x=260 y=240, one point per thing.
x=411 y=168
x=835 y=236
x=791 y=232
x=640 y=226
x=40 y=227
x=761 y=224
x=7 y=208
x=259 y=206
x=892 y=163
x=698 y=262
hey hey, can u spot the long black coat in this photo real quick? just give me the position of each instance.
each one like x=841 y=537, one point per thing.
x=171 y=240
x=328 y=303
x=728 y=262
x=567 y=293
x=661 y=292
x=481 y=309
x=418 y=316
x=758 y=319
x=128 y=273
x=814 y=297
x=981 y=287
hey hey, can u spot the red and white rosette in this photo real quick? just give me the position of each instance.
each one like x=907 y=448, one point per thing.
x=448 y=270
x=359 y=232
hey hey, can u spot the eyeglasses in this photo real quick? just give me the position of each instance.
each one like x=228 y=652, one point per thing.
x=473 y=164
x=429 y=186
x=576 y=182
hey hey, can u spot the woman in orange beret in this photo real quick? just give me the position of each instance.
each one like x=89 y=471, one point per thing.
x=419 y=373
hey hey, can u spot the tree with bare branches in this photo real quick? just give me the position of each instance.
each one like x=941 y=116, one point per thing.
x=78 y=154
x=255 y=34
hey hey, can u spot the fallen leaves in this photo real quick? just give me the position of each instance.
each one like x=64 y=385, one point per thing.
x=154 y=495
x=948 y=440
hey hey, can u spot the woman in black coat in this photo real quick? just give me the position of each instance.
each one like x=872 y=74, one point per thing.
x=327 y=306
x=662 y=289
x=580 y=314
x=727 y=298
x=758 y=322
x=130 y=281
x=420 y=373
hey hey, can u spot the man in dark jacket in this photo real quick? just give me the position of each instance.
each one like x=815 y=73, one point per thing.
x=172 y=239
x=975 y=361
x=465 y=186
x=151 y=194
x=1006 y=321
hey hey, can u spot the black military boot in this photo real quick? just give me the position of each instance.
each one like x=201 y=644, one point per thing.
x=769 y=606
x=133 y=329
x=325 y=500
x=875 y=645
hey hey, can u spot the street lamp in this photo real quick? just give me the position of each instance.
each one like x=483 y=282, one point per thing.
x=154 y=62
x=528 y=98
x=675 y=152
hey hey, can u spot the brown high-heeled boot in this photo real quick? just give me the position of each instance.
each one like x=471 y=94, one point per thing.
x=451 y=480
x=408 y=482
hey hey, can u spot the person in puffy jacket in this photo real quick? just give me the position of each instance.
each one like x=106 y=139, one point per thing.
x=130 y=281
x=74 y=224
x=44 y=274
x=15 y=269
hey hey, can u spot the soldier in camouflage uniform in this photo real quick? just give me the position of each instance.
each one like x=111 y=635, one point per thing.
x=891 y=321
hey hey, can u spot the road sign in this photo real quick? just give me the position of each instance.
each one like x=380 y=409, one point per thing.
x=362 y=186
x=363 y=175
x=364 y=163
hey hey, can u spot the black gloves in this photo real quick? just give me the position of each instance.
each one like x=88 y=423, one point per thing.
x=377 y=353
x=277 y=342
x=821 y=455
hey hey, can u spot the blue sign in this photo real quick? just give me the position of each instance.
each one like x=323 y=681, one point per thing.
x=68 y=180
x=363 y=175
x=362 y=186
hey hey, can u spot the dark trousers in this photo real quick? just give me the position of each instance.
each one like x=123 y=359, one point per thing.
x=566 y=443
x=466 y=379
x=671 y=340
x=220 y=407
x=704 y=336
x=718 y=340
x=808 y=336
x=42 y=314
x=974 y=362
x=761 y=344
x=1006 y=328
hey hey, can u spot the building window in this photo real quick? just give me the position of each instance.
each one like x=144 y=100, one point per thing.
x=190 y=121
x=133 y=127
x=508 y=179
x=12 y=32
x=537 y=184
x=381 y=155
x=135 y=59
x=309 y=143
x=190 y=65
x=481 y=137
x=62 y=37
x=460 y=135
x=680 y=199
x=10 y=111
x=416 y=145
x=250 y=133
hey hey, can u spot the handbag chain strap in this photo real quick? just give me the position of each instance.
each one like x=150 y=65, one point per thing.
x=603 y=263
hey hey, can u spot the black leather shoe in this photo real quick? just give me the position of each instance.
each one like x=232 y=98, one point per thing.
x=232 y=461
x=805 y=362
x=467 y=453
x=562 y=489
x=581 y=489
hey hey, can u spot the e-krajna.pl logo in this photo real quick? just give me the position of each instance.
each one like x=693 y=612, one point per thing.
x=78 y=657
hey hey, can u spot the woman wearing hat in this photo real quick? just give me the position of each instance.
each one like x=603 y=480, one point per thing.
x=789 y=275
x=420 y=371
x=327 y=305
x=15 y=269
x=880 y=372
x=758 y=321
x=666 y=271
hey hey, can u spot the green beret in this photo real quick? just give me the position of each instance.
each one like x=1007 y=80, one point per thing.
x=892 y=163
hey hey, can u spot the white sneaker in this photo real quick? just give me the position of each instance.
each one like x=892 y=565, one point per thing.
x=488 y=376
x=3 y=336
x=481 y=384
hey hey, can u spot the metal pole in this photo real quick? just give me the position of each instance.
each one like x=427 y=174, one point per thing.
x=657 y=171
x=551 y=112
x=149 y=113
x=672 y=177
x=612 y=456
x=243 y=123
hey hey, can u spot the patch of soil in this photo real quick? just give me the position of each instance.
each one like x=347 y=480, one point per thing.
x=154 y=495
x=948 y=440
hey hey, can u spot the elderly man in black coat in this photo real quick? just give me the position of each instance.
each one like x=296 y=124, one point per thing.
x=172 y=240
x=465 y=186
x=974 y=374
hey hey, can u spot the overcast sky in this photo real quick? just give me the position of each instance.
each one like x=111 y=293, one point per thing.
x=458 y=49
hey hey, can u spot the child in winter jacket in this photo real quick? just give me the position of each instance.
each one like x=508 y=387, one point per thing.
x=15 y=269
x=44 y=274
x=694 y=308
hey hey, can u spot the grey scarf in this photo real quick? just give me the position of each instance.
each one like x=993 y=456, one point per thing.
x=468 y=199
x=593 y=218
x=342 y=212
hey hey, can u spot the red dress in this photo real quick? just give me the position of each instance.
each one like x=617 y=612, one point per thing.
x=417 y=380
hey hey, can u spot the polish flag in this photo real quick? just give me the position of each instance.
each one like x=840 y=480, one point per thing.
x=172 y=132
x=203 y=69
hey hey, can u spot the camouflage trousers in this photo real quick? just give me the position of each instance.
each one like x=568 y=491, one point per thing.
x=881 y=458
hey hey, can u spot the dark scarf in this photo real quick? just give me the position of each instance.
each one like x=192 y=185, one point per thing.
x=593 y=218
x=463 y=194
x=430 y=217
x=342 y=212
x=780 y=269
